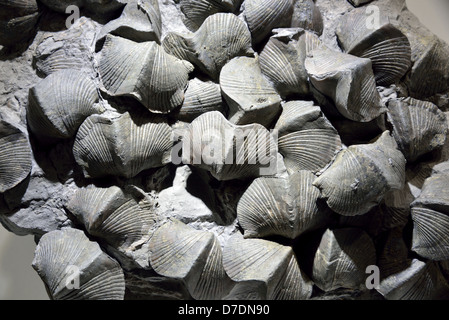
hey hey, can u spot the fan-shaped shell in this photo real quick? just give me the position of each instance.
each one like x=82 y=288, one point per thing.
x=119 y=145
x=342 y=258
x=418 y=127
x=264 y=270
x=64 y=257
x=307 y=15
x=112 y=214
x=281 y=206
x=228 y=151
x=196 y=11
x=361 y=175
x=263 y=16
x=420 y=281
x=18 y=20
x=200 y=97
x=181 y=252
x=348 y=81
x=220 y=38
x=307 y=140
x=143 y=71
x=396 y=207
x=430 y=214
x=386 y=46
x=140 y=21
x=250 y=97
x=283 y=57
x=59 y=104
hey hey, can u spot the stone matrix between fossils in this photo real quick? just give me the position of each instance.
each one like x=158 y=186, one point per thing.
x=99 y=127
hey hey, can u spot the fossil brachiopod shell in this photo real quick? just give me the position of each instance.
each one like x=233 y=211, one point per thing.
x=220 y=38
x=18 y=19
x=346 y=80
x=361 y=175
x=264 y=270
x=145 y=72
x=342 y=258
x=121 y=145
x=281 y=206
x=59 y=104
x=181 y=252
x=66 y=258
x=250 y=96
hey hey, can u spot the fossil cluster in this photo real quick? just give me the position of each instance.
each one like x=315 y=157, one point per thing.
x=226 y=149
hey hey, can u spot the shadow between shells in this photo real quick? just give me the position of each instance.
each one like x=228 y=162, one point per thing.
x=325 y=140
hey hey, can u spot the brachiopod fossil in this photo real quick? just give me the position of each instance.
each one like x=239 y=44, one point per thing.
x=307 y=15
x=18 y=20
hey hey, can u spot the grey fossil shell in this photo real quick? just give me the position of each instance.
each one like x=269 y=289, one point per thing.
x=220 y=38
x=181 y=252
x=287 y=50
x=58 y=104
x=145 y=72
x=263 y=16
x=200 y=97
x=342 y=258
x=420 y=281
x=119 y=145
x=307 y=15
x=281 y=206
x=264 y=270
x=228 y=151
x=307 y=140
x=140 y=21
x=386 y=46
x=418 y=126
x=361 y=175
x=18 y=20
x=346 y=80
x=430 y=214
x=62 y=256
x=396 y=207
x=196 y=11
x=250 y=96
x=112 y=214
x=393 y=257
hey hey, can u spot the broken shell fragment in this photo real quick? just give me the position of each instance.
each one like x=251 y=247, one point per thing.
x=121 y=145
x=361 y=175
x=250 y=96
x=181 y=252
x=145 y=72
x=342 y=258
x=281 y=206
x=348 y=81
x=307 y=15
x=74 y=268
x=220 y=38
x=264 y=270
x=58 y=104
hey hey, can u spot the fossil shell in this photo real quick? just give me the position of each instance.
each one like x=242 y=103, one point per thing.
x=62 y=255
x=361 y=175
x=196 y=11
x=418 y=126
x=386 y=46
x=143 y=71
x=200 y=97
x=59 y=104
x=307 y=15
x=95 y=6
x=181 y=252
x=263 y=16
x=396 y=207
x=18 y=20
x=342 y=258
x=140 y=21
x=348 y=81
x=430 y=214
x=264 y=270
x=420 y=281
x=281 y=206
x=393 y=257
x=112 y=214
x=120 y=145
x=220 y=38
x=250 y=97
x=228 y=151
x=307 y=140
x=287 y=50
